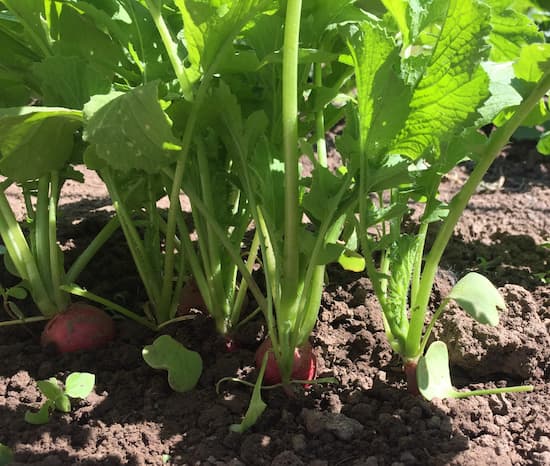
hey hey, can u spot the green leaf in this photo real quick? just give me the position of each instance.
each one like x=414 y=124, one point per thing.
x=352 y=260
x=478 y=297
x=210 y=27
x=17 y=292
x=434 y=379
x=511 y=30
x=184 y=366
x=543 y=146
x=42 y=416
x=70 y=81
x=31 y=14
x=131 y=131
x=79 y=36
x=533 y=62
x=34 y=142
x=503 y=94
x=6 y=455
x=256 y=406
x=453 y=84
x=432 y=373
x=79 y=384
x=50 y=388
x=382 y=95
x=63 y=404
x=402 y=259
x=324 y=188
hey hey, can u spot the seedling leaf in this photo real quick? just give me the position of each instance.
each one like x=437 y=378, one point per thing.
x=6 y=455
x=432 y=373
x=478 y=297
x=79 y=384
x=63 y=404
x=434 y=379
x=184 y=366
x=50 y=388
x=42 y=416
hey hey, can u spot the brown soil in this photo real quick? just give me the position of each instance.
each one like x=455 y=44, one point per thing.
x=368 y=418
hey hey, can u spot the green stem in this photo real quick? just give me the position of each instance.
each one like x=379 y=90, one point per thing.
x=171 y=49
x=430 y=327
x=76 y=290
x=241 y=294
x=56 y=267
x=143 y=265
x=290 y=148
x=320 y=120
x=22 y=257
x=235 y=255
x=175 y=207
x=417 y=268
x=493 y=391
x=26 y=320
x=87 y=255
x=42 y=231
x=495 y=144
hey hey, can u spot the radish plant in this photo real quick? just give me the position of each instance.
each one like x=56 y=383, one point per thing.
x=427 y=79
x=40 y=147
x=146 y=146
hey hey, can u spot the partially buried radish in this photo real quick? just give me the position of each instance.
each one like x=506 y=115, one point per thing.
x=304 y=366
x=80 y=327
x=190 y=298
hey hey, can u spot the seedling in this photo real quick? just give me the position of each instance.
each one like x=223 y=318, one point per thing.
x=40 y=145
x=77 y=385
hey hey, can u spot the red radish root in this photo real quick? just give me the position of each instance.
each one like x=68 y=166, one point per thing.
x=80 y=327
x=190 y=298
x=303 y=368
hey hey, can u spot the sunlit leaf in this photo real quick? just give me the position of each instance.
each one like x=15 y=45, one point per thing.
x=432 y=373
x=79 y=384
x=478 y=297
x=453 y=85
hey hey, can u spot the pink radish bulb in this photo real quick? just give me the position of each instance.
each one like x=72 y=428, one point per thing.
x=80 y=327
x=304 y=366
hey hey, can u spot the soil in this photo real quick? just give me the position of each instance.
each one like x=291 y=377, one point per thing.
x=368 y=418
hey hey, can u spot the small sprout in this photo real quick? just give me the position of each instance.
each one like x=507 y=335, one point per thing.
x=77 y=385
x=184 y=366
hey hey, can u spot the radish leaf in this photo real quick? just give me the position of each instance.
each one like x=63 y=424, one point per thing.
x=131 y=131
x=79 y=384
x=184 y=366
x=432 y=372
x=478 y=297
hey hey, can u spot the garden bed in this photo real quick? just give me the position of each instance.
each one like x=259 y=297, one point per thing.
x=134 y=418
